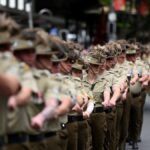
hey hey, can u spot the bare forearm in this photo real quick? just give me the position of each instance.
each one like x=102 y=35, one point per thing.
x=123 y=86
x=64 y=107
x=106 y=95
x=23 y=97
x=144 y=78
x=116 y=94
x=48 y=113
x=90 y=107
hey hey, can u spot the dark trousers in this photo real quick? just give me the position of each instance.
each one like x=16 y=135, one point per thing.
x=125 y=123
x=135 y=115
x=22 y=146
x=58 y=141
x=119 y=125
x=110 y=140
x=83 y=135
x=143 y=99
x=98 y=124
x=72 y=136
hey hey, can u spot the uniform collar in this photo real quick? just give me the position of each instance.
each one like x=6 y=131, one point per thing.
x=76 y=78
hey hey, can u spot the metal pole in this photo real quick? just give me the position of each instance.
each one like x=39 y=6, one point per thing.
x=30 y=16
x=111 y=25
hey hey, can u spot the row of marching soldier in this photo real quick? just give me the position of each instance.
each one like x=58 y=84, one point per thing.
x=57 y=95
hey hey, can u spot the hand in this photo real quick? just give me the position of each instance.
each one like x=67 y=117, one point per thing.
x=105 y=104
x=111 y=103
x=37 y=121
x=77 y=108
x=124 y=96
x=85 y=97
x=132 y=82
x=86 y=115
x=141 y=79
x=12 y=103
x=144 y=84
x=122 y=87
x=85 y=102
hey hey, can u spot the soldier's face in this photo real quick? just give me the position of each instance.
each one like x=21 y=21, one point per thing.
x=102 y=67
x=108 y=66
x=27 y=56
x=121 y=58
x=110 y=63
x=65 y=66
x=43 y=62
x=77 y=73
x=55 y=67
x=94 y=68
x=131 y=57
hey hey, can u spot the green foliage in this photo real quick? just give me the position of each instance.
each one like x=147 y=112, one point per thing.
x=105 y=2
x=123 y=25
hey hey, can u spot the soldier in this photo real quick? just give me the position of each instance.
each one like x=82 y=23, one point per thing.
x=64 y=106
x=17 y=130
x=120 y=105
x=75 y=115
x=134 y=96
x=16 y=100
x=83 y=108
x=92 y=83
x=16 y=90
x=61 y=66
x=148 y=62
x=142 y=68
x=112 y=94
x=54 y=66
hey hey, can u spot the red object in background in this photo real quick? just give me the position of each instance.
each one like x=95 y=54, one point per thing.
x=119 y=5
x=143 y=7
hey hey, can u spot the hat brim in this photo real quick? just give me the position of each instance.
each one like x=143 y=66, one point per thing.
x=45 y=53
x=94 y=63
x=80 y=69
x=110 y=57
x=77 y=67
x=131 y=52
x=59 y=59
x=24 y=49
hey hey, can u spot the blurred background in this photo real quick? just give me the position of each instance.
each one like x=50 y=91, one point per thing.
x=85 y=21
